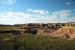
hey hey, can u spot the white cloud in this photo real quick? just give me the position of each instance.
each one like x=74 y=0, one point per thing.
x=38 y=11
x=13 y=17
x=62 y=13
x=68 y=3
x=21 y=17
x=9 y=2
x=29 y=10
x=15 y=14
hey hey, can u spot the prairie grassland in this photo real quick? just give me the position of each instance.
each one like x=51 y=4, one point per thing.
x=35 y=42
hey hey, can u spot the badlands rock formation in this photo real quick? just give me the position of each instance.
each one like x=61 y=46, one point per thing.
x=66 y=32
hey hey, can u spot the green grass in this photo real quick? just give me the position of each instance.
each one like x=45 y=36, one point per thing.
x=35 y=42
x=8 y=28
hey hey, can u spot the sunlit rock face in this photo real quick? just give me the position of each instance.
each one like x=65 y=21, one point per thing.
x=66 y=32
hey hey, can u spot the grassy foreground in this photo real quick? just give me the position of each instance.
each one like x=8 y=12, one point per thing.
x=34 y=42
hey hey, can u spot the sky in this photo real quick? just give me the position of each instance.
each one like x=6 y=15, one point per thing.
x=36 y=11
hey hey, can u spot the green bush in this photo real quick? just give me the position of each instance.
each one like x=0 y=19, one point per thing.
x=34 y=42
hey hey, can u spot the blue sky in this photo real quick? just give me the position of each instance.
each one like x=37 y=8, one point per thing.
x=36 y=11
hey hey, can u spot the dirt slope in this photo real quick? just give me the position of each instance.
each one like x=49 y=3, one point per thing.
x=65 y=31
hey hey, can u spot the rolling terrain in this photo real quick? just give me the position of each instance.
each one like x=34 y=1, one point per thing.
x=53 y=36
x=66 y=30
